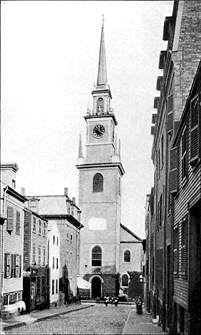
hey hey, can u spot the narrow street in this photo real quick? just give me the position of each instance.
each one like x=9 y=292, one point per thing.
x=95 y=320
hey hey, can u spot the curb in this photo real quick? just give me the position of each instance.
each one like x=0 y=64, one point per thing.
x=22 y=323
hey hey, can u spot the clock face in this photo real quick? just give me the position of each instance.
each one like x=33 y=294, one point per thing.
x=98 y=130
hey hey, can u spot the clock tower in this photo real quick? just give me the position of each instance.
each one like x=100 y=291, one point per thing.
x=100 y=173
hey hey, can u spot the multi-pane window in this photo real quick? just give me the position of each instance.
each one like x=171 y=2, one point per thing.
x=184 y=156
x=57 y=265
x=96 y=256
x=12 y=266
x=34 y=254
x=17 y=266
x=124 y=280
x=39 y=227
x=56 y=285
x=44 y=254
x=53 y=239
x=7 y=265
x=10 y=218
x=71 y=238
x=39 y=255
x=195 y=124
x=127 y=256
x=53 y=262
x=98 y=183
x=34 y=224
x=17 y=223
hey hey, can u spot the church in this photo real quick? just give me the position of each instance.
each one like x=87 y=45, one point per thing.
x=110 y=254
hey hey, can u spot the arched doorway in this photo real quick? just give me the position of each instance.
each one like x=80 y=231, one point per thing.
x=96 y=287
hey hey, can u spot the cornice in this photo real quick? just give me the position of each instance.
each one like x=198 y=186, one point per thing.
x=15 y=194
x=102 y=165
x=68 y=217
x=100 y=116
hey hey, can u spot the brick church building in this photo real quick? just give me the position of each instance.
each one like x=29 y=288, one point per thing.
x=109 y=252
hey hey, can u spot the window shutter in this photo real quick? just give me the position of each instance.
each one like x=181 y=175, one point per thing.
x=184 y=245
x=170 y=113
x=5 y=265
x=195 y=110
x=13 y=260
x=173 y=175
x=18 y=223
x=176 y=250
x=184 y=153
x=10 y=217
x=20 y=266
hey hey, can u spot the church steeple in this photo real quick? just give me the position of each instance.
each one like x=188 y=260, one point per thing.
x=102 y=69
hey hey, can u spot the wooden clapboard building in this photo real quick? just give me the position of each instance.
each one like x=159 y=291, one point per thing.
x=185 y=186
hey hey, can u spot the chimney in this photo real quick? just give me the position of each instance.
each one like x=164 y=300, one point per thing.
x=66 y=191
x=22 y=190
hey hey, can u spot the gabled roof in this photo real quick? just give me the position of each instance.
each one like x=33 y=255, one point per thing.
x=137 y=239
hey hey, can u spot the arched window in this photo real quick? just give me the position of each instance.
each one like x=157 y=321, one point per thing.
x=96 y=256
x=98 y=183
x=100 y=105
x=124 y=280
x=127 y=256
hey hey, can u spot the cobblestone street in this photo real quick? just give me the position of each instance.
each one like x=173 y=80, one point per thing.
x=97 y=319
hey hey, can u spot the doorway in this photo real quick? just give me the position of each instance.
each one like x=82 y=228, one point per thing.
x=96 y=287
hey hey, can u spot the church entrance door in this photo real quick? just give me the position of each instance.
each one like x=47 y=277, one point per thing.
x=96 y=287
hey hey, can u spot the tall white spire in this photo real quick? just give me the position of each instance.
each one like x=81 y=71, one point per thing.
x=80 y=152
x=102 y=69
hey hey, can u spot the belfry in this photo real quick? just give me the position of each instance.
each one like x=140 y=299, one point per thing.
x=100 y=173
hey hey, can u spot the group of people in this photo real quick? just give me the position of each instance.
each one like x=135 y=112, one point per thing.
x=112 y=300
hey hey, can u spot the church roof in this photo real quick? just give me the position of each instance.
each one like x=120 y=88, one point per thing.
x=129 y=232
x=102 y=69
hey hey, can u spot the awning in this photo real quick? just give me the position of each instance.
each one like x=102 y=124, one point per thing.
x=83 y=284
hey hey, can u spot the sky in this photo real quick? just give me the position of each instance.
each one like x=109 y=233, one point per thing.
x=49 y=65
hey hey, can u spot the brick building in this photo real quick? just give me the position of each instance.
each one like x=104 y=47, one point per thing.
x=35 y=261
x=186 y=157
x=63 y=217
x=12 y=238
x=178 y=63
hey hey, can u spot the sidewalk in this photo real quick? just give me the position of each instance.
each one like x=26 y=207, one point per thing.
x=141 y=324
x=36 y=316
